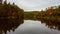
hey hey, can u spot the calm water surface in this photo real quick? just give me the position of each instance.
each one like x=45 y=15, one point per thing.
x=33 y=27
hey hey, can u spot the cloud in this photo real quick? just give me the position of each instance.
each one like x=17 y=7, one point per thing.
x=35 y=4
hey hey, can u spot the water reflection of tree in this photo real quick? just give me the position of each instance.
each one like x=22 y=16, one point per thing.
x=51 y=24
x=9 y=24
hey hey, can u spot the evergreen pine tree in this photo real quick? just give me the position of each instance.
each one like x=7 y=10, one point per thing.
x=1 y=2
x=5 y=2
x=13 y=4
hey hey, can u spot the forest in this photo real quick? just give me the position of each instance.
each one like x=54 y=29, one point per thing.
x=50 y=13
x=8 y=10
x=11 y=16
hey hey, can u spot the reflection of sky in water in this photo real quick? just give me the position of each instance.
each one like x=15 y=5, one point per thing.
x=33 y=27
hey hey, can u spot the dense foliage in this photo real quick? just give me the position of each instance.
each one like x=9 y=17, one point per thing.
x=11 y=16
x=51 y=13
x=50 y=17
x=10 y=10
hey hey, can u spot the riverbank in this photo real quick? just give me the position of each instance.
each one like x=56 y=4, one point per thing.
x=52 y=14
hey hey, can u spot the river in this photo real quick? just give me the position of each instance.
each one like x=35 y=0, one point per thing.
x=34 y=27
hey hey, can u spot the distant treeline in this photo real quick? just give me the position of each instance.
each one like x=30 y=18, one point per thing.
x=51 y=13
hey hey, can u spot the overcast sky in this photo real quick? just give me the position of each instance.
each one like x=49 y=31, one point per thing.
x=35 y=4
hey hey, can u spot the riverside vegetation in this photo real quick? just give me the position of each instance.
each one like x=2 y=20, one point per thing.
x=11 y=16
x=50 y=17
x=51 y=14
